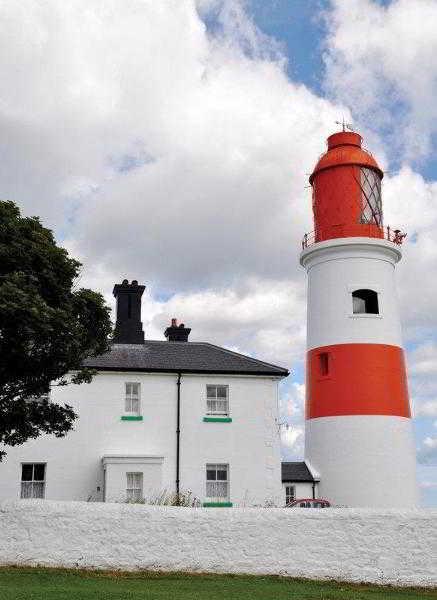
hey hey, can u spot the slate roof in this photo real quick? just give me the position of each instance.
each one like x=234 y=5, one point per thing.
x=185 y=357
x=296 y=471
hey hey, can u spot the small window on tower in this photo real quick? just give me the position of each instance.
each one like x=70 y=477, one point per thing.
x=365 y=302
x=324 y=364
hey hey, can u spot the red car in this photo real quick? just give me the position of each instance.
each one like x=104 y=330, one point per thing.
x=309 y=503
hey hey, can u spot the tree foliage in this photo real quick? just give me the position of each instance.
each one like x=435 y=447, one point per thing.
x=47 y=328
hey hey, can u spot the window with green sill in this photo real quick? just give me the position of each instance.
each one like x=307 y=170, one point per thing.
x=132 y=401
x=217 y=485
x=217 y=402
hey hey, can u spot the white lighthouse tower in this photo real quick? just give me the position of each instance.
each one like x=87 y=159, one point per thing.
x=358 y=423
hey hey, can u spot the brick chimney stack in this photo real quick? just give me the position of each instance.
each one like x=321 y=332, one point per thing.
x=128 y=327
x=177 y=333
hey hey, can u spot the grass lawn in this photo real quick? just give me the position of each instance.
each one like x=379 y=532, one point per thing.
x=59 y=584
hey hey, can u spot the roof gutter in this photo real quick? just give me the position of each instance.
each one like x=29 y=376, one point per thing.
x=123 y=369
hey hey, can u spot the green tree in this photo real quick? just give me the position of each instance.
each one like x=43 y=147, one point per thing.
x=47 y=328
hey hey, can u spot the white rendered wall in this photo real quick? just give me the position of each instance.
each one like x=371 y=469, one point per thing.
x=387 y=547
x=335 y=269
x=303 y=489
x=363 y=460
x=249 y=444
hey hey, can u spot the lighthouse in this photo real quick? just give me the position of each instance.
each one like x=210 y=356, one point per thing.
x=358 y=431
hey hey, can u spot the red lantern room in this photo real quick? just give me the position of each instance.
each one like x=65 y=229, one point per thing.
x=346 y=186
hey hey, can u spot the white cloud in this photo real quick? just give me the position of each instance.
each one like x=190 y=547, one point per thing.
x=428 y=485
x=292 y=439
x=423 y=379
x=424 y=359
x=381 y=60
x=427 y=408
x=291 y=420
x=427 y=454
x=261 y=315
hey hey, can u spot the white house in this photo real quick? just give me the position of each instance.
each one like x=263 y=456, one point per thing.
x=299 y=481
x=159 y=415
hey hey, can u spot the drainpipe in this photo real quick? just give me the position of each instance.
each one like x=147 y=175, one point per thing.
x=178 y=436
x=314 y=490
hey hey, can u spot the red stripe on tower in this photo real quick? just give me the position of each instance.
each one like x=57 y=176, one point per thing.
x=356 y=379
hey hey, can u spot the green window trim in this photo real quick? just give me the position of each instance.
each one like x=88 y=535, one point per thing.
x=131 y=418
x=217 y=504
x=217 y=419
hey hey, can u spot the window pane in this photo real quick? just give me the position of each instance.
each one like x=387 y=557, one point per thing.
x=26 y=489
x=135 y=389
x=216 y=489
x=39 y=472
x=135 y=408
x=128 y=389
x=217 y=406
x=371 y=197
x=222 y=406
x=210 y=391
x=38 y=489
x=210 y=475
x=222 y=475
x=222 y=391
x=26 y=472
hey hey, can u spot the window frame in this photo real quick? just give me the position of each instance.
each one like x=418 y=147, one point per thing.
x=287 y=495
x=132 y=413
x=365 y=286
x=33 y=482
x=214 y=466
x=217 y=413
x=130 y=491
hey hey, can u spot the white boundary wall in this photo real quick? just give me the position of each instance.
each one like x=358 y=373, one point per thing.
x=387 y=547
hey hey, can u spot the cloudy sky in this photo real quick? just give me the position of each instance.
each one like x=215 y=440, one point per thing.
x=170 y=141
